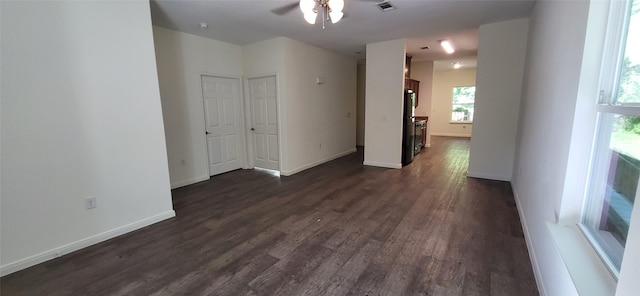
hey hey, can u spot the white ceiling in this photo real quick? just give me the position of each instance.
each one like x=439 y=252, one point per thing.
x=422 y=22
x=465 y=63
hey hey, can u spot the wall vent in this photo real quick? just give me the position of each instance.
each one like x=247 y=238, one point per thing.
x=385 y=6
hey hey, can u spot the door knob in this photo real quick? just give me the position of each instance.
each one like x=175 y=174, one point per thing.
x=253 y=129
x=208 y=133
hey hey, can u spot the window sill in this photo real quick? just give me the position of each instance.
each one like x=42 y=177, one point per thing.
x=589 y=274
x=461 y=122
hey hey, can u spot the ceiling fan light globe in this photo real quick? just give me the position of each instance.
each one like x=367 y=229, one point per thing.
x=336 y=16
x=310 y=17
x=306 y=6
x=336 y=5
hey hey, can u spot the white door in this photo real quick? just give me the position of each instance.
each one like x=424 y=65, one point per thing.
x=223 y=117
x=264 y=120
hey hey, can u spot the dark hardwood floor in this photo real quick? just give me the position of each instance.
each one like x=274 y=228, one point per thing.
x=338 y=229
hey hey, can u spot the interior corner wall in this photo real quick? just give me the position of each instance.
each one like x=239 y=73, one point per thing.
x=443 y=83
x=423 y=72
x=501 y=56
x=266 y=58
x=317 y=121
x=321 y=117
x=550 y=86
x=384 y=97
x=81 y=116
x=181 y=59
x=360 y=103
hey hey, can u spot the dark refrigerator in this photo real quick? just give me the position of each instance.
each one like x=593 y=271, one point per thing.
x=408 y=126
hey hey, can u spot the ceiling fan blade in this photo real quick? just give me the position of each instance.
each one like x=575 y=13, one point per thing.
x=285 y=9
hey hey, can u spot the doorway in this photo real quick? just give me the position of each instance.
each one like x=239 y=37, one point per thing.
x=224 y=123
x=262 y=95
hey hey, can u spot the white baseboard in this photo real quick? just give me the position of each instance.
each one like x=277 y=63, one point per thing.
x=319 y=162
x=451 y=135
x=189 y=181
x=527 y=237
x=80 y=244
x=427 y=145
x=488 y=176
x=383 y=165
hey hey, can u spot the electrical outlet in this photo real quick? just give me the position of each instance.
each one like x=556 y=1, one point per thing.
x=90 y=202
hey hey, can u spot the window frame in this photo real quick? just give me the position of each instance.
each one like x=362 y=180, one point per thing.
x=451 y=121
x=606 y=107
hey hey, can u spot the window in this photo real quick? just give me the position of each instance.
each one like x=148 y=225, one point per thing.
x=464 y=98
x=615 y=168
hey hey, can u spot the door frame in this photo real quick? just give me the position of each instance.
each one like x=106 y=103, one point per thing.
x=243 y=134
x=279 y=117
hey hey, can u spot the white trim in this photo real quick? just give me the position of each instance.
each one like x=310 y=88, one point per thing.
x=80 y=244
x=264 y=75
x=319 y=162
x=182 y=183
x=451 y=135
x=282 y=120
x=383 y=165
x=613 y=51
x=488 y=176
x=589 y=274
x=242 y=119
x=627 y=110
x=527 y=238
x=460 y=122
x=249 y=120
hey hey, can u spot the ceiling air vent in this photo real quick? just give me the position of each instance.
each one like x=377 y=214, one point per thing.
x=385 y=6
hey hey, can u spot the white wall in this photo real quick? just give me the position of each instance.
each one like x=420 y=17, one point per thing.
x=360 y=103
x=266 y=58
x=550 y=85
x=501 y=56
x=320 y=122
x=81 y=116
x=317 y=121
x=423 y=72
x=443 y=83
x=560 y=87
x=384 y=97
x=181 y=59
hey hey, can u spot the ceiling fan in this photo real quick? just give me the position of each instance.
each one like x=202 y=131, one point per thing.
x=331 y=10
x=290 y=7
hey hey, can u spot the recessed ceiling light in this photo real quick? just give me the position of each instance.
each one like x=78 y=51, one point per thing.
x=204 y=26
x=447 y=46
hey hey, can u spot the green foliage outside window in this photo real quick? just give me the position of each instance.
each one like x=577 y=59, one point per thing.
x=462 y=107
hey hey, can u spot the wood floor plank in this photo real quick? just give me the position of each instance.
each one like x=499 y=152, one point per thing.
x=295 y=267
x=345 y=247
x=345 y=278
x=340 y=228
